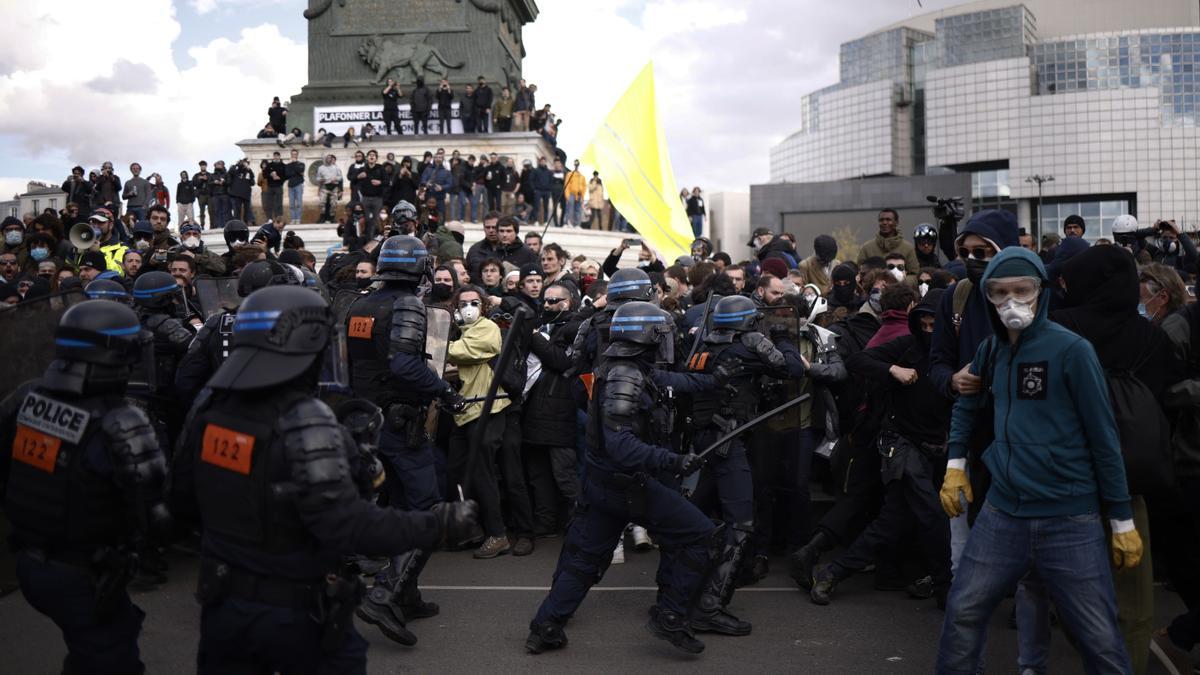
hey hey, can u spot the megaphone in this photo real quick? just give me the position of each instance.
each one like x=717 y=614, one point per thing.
x=82 y=236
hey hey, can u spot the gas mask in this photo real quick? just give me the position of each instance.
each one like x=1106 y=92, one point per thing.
x=897 y=273
x=191 y=242
x=468 y=313
x=1015 y=315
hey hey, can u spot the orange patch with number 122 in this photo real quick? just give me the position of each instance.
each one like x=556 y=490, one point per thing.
x=35 y=448
x=361 y=326
x=227 y=448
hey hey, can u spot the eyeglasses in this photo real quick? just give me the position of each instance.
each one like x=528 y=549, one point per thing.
x=8 y=263
x=892 y=266
x=468 y=303
x=975 y=252
x=554 y=301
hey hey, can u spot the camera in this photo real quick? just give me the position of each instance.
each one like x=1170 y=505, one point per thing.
x=947 y=209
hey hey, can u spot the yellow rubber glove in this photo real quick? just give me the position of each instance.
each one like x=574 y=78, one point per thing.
x=956 y=482
x=1126 y=549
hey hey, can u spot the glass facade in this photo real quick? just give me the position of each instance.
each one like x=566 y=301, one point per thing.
x=1167 y=60
x=990 y=190
x=1098 y=215
x=984 y=36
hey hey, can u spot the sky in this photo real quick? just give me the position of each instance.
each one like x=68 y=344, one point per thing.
x=168 y=82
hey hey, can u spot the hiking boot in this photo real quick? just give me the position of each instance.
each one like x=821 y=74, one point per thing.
x=1172 y=657
x=802 y=563
x=824 y=581
x=378 y=610
x=524 y=546
x=671 y=627
x=545 y=636
x=719 y=621
x=412 y=606
x=921 y=589
x=492 y=547
x=641 y=538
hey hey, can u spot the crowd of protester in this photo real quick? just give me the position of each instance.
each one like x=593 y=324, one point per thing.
x=932 y=364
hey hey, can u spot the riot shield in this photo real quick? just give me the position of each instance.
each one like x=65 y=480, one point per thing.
x=437 y=338
x=335 y=365
x=780 y=316
x=217 y=294
x=27 y=336
x=341 y=304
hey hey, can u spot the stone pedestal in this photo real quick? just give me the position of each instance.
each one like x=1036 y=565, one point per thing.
x=518 y=145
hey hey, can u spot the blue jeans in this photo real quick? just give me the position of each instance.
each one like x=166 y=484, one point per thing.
x=541 y=205
x=460 y=206
x=574 y=209
x=138 y=212
x=478 y=202
x=697 y=225
x=1069 y=555
x=295 y=197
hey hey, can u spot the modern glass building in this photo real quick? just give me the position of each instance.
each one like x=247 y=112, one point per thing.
x=1102 y=96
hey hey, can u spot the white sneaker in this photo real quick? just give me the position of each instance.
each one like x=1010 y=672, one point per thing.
x=641 y=539
x=619 y=551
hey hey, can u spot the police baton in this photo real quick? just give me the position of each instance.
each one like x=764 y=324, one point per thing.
x=479 y=399
x=754 y=422
x=508 y=351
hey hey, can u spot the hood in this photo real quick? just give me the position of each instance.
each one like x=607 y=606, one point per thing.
x=998 y=227
x=825 y=248
x=1043 y=308
x=1102 y=300
x=1068 y=249
x=928 y=305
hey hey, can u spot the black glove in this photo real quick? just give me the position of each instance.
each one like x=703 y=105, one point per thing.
x=727 y=370
x=452 y=400
x=686 y=465
x=779 y=331
x=458 y=522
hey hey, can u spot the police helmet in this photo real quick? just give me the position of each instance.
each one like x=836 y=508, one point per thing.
x=925 y=231
x=630 y=284
x=404 y=212
x=640 y=327
x=155 y=290
x=737 y=313
x=279 y=333
x=402 y=258
x=705 y=245
x=98 y=332
x=260 y=274
x=107 y=289
x=236 y=231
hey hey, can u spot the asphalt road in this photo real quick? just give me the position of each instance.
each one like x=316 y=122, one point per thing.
x=487 y=604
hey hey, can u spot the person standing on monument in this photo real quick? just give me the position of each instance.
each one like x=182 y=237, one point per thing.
x=522 y=107
x=445 y=99
x=504 y=110
x=391 y=107
x=421 y=100
x=483 y=107
x=466 y=110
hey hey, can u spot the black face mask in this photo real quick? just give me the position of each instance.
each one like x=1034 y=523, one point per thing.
x=441 y=292
x=363 y=282
x=843 y=294
x=975 y=269
x=554 y=316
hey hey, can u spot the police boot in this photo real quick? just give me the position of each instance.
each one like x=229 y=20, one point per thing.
x=377 y=609
x=710 y=614
x=673 y=628
x=806 y=557
x=824 y=581
x=545 y=636
x=408 y=599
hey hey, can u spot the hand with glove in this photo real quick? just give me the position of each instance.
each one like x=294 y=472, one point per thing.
x=955 y=483
x=1126 y=545
x=452 y=400
x=458 y=522
x=686 y=465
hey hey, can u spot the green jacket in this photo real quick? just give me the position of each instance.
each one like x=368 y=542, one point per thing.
x=881 y=246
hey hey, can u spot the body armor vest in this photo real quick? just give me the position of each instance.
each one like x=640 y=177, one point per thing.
x=739 y=407
x=653 y=426
x=369 y=334
x=240 y=471
x=56 y=501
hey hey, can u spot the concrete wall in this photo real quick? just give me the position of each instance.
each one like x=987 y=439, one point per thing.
x=729 y=221
x=809 y=209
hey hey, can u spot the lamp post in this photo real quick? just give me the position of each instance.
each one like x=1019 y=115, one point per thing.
x=1040 y=180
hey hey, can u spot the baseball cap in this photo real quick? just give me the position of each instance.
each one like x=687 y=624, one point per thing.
x=102 y=215
x=758 y=232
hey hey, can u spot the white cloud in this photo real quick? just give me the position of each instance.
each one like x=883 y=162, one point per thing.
x=206 y=6
x=125 y=100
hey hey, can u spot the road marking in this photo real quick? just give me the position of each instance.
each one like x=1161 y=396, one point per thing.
x=543 y=589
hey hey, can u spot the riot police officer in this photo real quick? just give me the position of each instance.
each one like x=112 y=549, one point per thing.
x=107 y=289
x=629 y=285
x=733 y=338
x=386 y=332
x=83 y=462
x=157 y=300
x=628 y=476
x=273 y=477
x=209 y=349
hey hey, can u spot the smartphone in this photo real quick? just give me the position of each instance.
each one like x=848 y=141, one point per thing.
x=629 y=243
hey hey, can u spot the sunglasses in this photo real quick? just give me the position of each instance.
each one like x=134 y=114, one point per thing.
x=554 y=301
x=975 y=252
x=896 y=267
x=468 y=303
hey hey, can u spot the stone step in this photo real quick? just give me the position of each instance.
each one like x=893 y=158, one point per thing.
x=319 y=238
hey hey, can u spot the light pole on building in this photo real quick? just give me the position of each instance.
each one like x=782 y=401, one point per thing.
x=1040 y=180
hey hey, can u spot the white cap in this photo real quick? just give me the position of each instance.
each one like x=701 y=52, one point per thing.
x=1124 y=224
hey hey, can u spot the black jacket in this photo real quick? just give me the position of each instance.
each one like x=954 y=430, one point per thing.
x=445 y=98
x=378 y=173
x=294 y=173
x=185 y=192
x=273 y=170
x=420 y=99
x=483 y=97
x=550 y=406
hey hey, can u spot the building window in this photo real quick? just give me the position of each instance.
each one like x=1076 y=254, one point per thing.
x=37 y=207
x=1098 y=216
x=54 y=204
x=990 y=190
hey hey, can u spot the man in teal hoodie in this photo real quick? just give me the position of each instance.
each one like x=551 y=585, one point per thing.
x=1055 y=462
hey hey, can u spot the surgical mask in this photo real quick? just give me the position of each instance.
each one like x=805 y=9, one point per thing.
x=897 y=274
x=141 y=244
x=1016 y=315
x=923 y=288
x=975 y=269
x=14 y=237
x=642 y=264
x=468 y=314
x=873 y=300
x=191 y=242
x=39 y=254
x=1143 y=311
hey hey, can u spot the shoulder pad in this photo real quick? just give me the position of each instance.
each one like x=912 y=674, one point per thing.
x=624 y=384
x=174 y=330
x=408 y=326
x=316 y=449
x=133 y=445
x=723 y=337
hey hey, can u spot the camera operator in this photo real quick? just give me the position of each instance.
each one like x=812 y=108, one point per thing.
x=391 y=107
x=79 y=190
x=445 y=99
x=1173 y=248
x=329 y=177
x=107 y=190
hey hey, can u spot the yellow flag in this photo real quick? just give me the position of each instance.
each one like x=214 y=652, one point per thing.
x=630 y=152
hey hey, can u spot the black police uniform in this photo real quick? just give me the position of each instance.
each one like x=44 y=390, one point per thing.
x=732 y=342
x=274 y=479
x=629 y=477
x=85 y=482
x=386 y=347
x=629 y=285
x=155 y=296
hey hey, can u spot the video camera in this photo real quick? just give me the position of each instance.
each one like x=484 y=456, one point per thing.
x=947 y=209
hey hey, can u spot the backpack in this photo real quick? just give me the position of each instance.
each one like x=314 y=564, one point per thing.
x=1145 y=446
